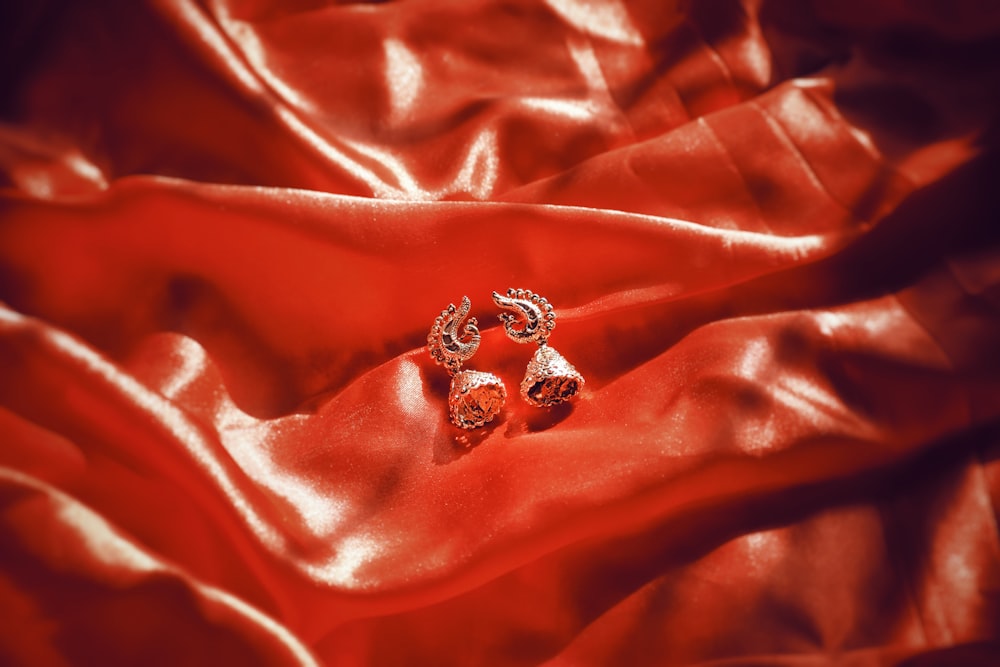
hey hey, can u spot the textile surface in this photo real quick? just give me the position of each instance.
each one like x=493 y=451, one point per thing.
x=769 y=229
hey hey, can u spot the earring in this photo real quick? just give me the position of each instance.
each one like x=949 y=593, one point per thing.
x=475 y=397
x=549 y=379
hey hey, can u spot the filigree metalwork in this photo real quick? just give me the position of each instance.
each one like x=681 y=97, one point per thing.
x=532 y=312
x=475 y=398
x=549 y=379
x=446 y=345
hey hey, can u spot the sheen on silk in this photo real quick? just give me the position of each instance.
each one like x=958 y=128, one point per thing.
x=770 y=230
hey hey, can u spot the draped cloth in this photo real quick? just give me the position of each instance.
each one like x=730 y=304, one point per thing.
x=769 y=229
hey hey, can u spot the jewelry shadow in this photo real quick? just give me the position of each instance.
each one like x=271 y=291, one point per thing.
x=534 y=420
x=462 y=441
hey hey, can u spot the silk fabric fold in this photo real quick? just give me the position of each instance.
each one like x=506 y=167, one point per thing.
x=769 y=231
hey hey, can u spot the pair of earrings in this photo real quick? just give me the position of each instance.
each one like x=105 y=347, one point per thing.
x=476 y=397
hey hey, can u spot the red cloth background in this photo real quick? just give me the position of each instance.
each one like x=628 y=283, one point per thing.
x=770 y=231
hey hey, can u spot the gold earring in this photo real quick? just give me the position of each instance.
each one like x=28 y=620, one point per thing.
x=549 y=379
x=475 y=397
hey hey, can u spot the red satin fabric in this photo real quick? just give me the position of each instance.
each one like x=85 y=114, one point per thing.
x=768 y=227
